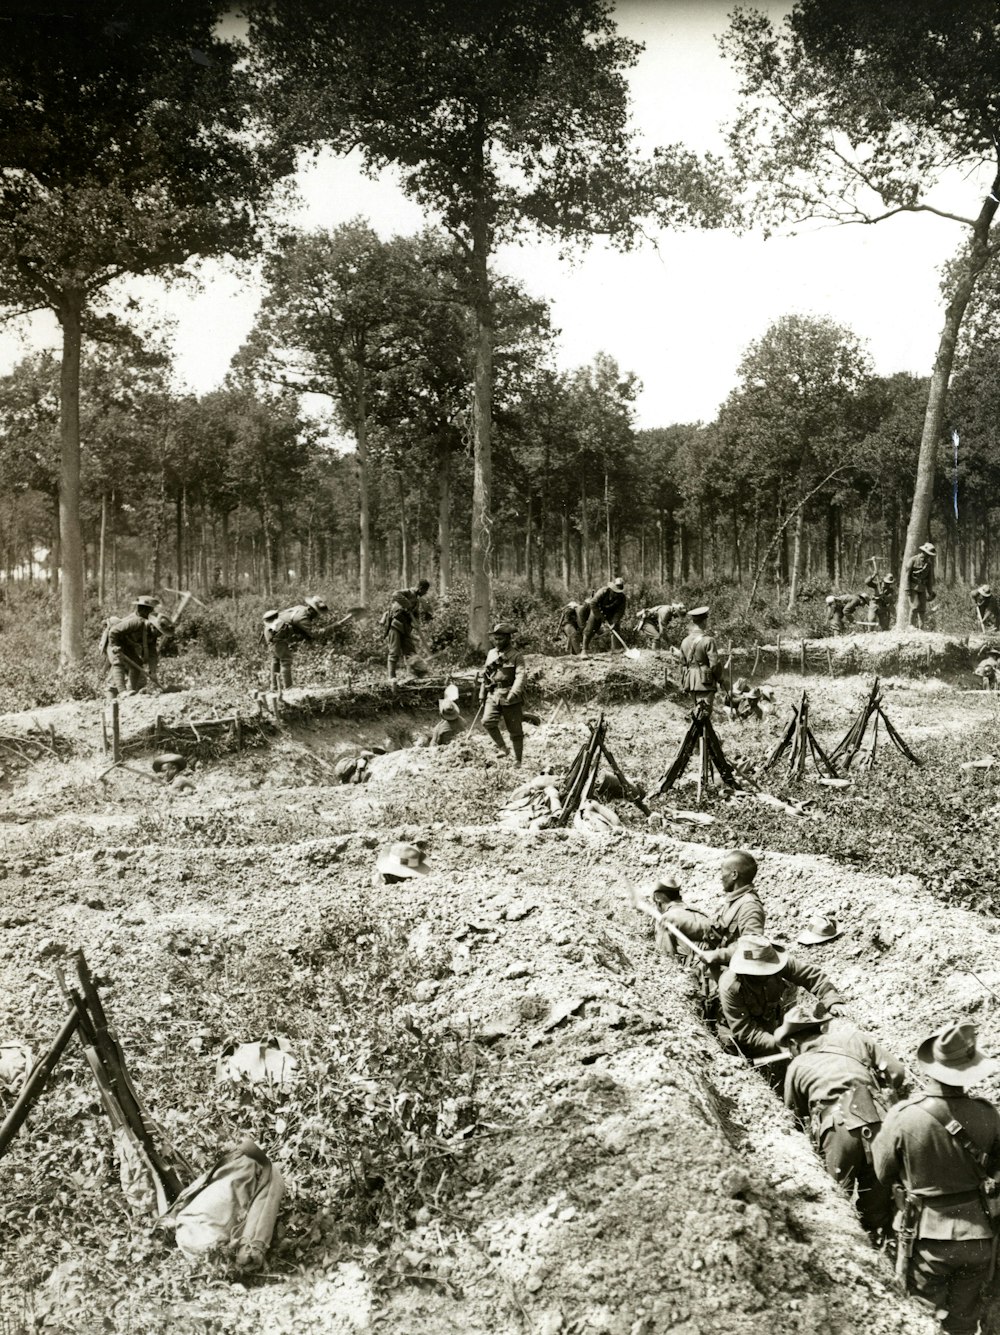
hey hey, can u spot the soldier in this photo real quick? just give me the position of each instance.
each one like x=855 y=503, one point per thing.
x=988 y=667
x=939 y=1152
x=752 y=988
x=883 y=595
x=399 y=624
x=987 y=608
x=841 y=605
x=607 y=605
x=502 y=691
x=920 y=583
x=654 y=621
x=571 y=621
x=700 y=660
x=741 y=915
x=283 y=630
x=836 y=1087
x=449 y=726
x=130 y=643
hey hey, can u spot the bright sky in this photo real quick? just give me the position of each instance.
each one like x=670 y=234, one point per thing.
x=679 y=314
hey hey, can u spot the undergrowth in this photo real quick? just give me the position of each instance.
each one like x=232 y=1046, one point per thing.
x=373 y=1139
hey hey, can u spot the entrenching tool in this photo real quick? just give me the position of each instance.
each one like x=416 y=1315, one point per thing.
x=629 y=653
x=663 y=925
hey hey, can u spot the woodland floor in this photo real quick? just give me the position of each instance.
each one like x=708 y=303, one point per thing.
x=627 y=1176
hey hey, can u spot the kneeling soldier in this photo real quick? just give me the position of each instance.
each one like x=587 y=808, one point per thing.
x=836 y=1086
x=939 y=1152
x=502 y=691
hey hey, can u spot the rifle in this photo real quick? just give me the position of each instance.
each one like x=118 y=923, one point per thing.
x=908 y=1209
x=775 y=1059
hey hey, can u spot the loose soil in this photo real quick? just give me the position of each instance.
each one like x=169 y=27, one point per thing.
x=628 y=1177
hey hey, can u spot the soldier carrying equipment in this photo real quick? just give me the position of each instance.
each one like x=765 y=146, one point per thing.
x=130 y=645
x=502 y=691
x=843 y=605
x=939 y=1151
x=883 y=589
x=920 y=583
x=607 y=606
x=283 y=630
x=398 y=624
x=987 y=608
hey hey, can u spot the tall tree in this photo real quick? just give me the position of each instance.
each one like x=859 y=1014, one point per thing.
x=856 y=112
x=125 y=151
x=500 y=118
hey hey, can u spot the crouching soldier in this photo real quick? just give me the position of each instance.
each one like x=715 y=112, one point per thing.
x=939 y=1152
x=571 y=621
x=399 y=619
x=449 y=726
x=840 y=1085
x=502 y=691
x=987 y=609
x=751 y=991
x=841 y=606
x=606 y=607
x=882 y=598
x=655 y=621
x=988 y=667
x=283 y=631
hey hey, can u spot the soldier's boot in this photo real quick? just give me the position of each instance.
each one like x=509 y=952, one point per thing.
x=286 y=675
x=390 y=667
x=517 y=744
x=496 y=737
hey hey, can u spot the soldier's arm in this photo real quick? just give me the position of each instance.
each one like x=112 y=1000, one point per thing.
x=300 y=625
x=886 y=1152
x=814 y=980
x=883 y=1060
x=516 y=691
x=693 y=923
x=750 y=918
x=794 y=1096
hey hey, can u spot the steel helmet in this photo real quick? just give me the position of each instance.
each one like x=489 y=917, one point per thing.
x=503 y=628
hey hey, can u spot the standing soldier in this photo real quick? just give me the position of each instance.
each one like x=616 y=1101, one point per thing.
x=841 y=605
x=920 y=583
x=883 y=589
x=939 y=1152
x=502 y=691
x=700 y=660
x=399 y=624
x=836 y=1087
x=987 y=608
x=607 y=605
x=283 y=630
x=131 y=647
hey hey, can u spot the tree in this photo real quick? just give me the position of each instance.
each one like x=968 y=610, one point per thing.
x=125 y=151
x=500 y=118
x=855 y=113
x=794 y=409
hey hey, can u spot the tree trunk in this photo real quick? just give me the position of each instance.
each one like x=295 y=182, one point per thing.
x=102 y=549
x=70 y=537
x=361 y=435
x=793 y=586
x=444 y=520
x=404 y=534
x=529 y=567
x=565 y=549
x=737 y=553
x=584 y=535
x=482 y=419
x=975 y=262
x=607 y=528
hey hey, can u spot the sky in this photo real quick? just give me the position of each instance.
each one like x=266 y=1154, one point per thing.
x=678 y=313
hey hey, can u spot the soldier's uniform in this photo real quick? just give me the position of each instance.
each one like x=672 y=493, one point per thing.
x=449 y=726
x=920 y=1148
x=883 y=592
x=741 y=915
x=607 y=606
x=836 y=1088
x=920 y=583
x=699 y=661
x=571 y=625
x=502 y=691
x=986 y=605
x=753 y=988
x=284 y=630
x=402 y=613
x=131 y=648
x=654 y=621
x=841 y=605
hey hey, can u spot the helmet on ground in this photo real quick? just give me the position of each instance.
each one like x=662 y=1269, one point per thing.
x=317 y=604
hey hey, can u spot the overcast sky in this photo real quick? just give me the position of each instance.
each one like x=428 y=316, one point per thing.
x=677 y=314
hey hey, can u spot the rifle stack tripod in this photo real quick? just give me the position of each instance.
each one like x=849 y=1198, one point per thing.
x=582 y=774
x=142 y=1165
x=712 y=759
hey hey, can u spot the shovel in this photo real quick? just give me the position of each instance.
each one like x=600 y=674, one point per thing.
x=629 y=653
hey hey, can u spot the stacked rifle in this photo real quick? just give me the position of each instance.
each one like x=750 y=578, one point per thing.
x=149 y=1178
x=846 y=750
x=800 y=741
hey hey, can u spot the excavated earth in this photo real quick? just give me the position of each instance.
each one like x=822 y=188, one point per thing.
x=638 y=1180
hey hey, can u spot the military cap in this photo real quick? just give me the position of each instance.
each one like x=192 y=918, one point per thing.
x=402 y=859
x=951 y=1056
x=618 y=583
x=144 y=600
x=757 y=956
x=503 y=628
x=317 y=604
x=169 y=758
x=448 y=709
x=798 y=1019
x=697 y=612
x=818 y=929
x=929 y=549
x=889 y=579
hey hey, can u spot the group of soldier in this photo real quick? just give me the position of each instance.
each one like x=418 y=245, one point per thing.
x=924 y=1168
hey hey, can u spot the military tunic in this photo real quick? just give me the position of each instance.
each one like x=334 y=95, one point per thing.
x=752 y=1005
x=951 y=1255
x=700 y=663
x=283 y=633
x=919 y=586
x=132 y=651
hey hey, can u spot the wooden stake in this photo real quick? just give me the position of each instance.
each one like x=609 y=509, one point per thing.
x=116 y=736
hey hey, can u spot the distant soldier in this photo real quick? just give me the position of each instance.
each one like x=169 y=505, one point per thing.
x=605 y=607
x=836 y=1085
x=841 y=606
x=939 y=1153
x=399 y=621
x=130 y=644
x=654 y=621
x=284 y=630
x=752 y=989
x=920 y=583
x=701 y=675
x=883 y=589
x=502 y=691
x=571 y=621
x=987 y=608
x=988 y=667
